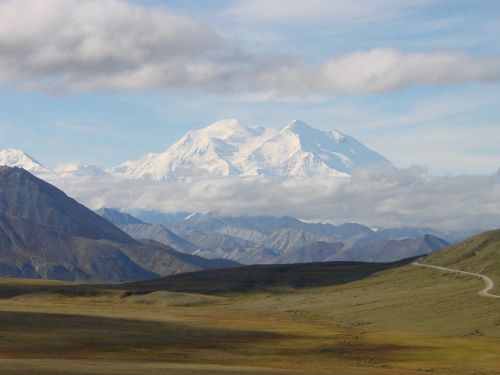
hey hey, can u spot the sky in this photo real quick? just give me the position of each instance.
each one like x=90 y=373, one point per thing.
x=101 y=82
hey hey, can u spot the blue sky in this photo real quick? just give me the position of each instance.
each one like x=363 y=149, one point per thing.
x=434 y=101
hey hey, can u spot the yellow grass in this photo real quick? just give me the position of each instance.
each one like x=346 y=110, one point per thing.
x=407 y=320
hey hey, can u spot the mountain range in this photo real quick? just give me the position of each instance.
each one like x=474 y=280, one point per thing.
x=268 y=240
x=230 y=148
x=46 y=234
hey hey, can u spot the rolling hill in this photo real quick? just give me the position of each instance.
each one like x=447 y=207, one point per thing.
x=265 y=277
x=479 y=254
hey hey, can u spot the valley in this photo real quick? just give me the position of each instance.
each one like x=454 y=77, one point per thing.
x=401 y=320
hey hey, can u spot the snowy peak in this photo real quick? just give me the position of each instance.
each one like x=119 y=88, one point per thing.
x=298 y=127
x=306 y=132
x=212 y=151
x=300 y=150
x=230 y=129
x=230 y=148
x=18 y=158
x=330 y=149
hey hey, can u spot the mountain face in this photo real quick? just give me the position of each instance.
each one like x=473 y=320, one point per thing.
x=138 y=229
x=410 y=232
x=376 y=251
x=25 y=196
x=44 y=233
x=266 y=239
x=161 y=234
x=287 y=239
x=300 y=150
x=118 y=218
x=315 y=252
x=390 y=250
x=30 y=250
x=18 y=158
x=216 y=150
x=229 y=148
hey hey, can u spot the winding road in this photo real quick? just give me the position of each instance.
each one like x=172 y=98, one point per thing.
x=484 y=292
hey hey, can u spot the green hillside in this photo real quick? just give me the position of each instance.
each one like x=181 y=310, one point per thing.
x=478 y=254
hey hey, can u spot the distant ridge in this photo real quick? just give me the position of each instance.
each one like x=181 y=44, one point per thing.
x=146 y=231
x=117 y=217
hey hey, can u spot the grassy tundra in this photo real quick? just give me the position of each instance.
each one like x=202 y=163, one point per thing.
x=392 y=319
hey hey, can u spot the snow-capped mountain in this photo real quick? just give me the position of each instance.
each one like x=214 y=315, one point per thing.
x=300 y=150
x=18 y=158
x=229 y=148
x=216 y=150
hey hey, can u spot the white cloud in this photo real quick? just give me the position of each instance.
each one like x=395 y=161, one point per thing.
x=113 y=45
x=109 y=44
x=408 y=197
x=384 y=69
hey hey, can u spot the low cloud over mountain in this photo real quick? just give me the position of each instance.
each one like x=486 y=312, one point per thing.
x=380 y=197
x=299 y=171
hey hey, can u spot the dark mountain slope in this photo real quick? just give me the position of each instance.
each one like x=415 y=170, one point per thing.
x=390 y=250
x=26 y=196
x=164 y=260
x=315 y=252
x=30 y=250
x=161 y=234
x=44 y=233
x=118 y=218
x=140 y=230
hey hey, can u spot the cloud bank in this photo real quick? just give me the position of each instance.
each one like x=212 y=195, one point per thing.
x=112 y=45
x=391 y=198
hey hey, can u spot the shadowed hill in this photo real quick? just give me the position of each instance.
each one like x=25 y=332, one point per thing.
x=265 y=277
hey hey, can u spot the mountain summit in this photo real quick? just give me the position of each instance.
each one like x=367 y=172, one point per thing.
x=303 y=151
x=216 y=150
x=17 y=158
x=230 y=148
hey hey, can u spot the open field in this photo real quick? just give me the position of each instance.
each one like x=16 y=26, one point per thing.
x=397 y=321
